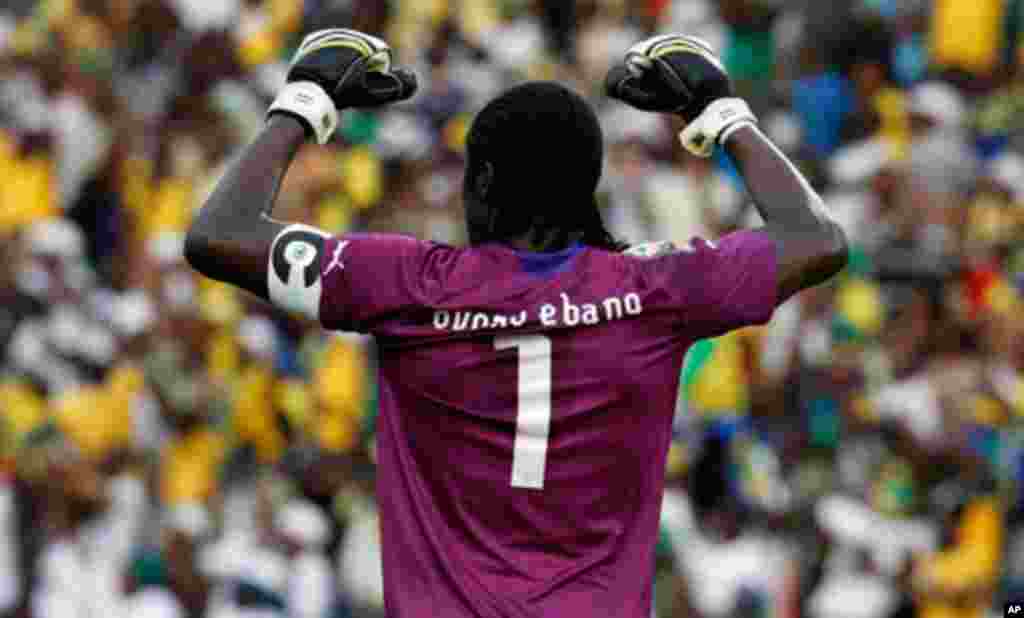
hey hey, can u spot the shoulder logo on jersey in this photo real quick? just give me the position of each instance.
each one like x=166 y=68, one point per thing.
x=651 y=249
x=665 y=247
x=336 y=258
x=293 y=279
x=695 y=243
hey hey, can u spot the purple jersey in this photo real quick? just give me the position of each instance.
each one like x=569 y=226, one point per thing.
x=526 y=404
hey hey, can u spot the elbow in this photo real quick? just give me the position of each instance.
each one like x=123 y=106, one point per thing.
x=839 y=244
x=198 y=248
x=836 y=247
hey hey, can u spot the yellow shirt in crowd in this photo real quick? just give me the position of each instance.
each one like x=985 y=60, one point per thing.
x=967 y=34
x=191 y=467
x=28 y=193
x=970 y=567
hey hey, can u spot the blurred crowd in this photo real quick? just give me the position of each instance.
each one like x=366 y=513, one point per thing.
x=171 y=447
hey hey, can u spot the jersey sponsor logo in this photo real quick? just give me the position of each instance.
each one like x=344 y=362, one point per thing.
x=336 y=258
x=293 y=275
x=565 y=313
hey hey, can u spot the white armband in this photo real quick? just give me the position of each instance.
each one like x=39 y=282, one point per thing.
x=715 y=124
x=311 y=105
x=293 y=274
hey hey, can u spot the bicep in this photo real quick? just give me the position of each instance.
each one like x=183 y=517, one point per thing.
x=805 y=259
x=277 y=262
x=239 y=258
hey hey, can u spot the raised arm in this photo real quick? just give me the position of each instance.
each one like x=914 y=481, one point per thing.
x=681 y=75
x=233 y=236
x=810 y=246
x=230 y=238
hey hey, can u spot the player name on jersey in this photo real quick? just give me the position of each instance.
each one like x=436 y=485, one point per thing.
x=566 y=313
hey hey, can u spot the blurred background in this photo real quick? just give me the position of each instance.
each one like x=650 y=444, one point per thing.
x=169 y=447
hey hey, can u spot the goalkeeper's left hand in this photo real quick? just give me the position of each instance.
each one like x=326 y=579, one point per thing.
x=681 y=75
x=338 y=68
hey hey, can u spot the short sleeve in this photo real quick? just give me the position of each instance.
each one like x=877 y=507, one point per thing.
x=368 y=278
x=724 y=285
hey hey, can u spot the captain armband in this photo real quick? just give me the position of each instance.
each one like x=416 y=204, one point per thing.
x=293 y=274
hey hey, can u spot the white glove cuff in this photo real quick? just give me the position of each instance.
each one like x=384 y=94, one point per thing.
x=309 y=103
x=716 y=123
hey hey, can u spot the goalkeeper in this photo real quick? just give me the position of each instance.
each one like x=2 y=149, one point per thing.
x=527 y=381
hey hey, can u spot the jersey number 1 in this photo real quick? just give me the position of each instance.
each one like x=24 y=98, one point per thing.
x=533 y=412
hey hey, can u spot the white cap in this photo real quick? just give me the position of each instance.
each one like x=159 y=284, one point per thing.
x=401 y=134
x=1008 y=170
x=859 y=162
x=57 y=237
x=622 y=123
x=852 y=596
x=7 y=28
x=26 y=102
x=167 y=248
x=97 y=344
x=225 y=558
x=302 y=522
x=258 y=337
x=200 y=16
x=938 y=102
x=153 y=603
x=784 y=129
x=266 y=569
x=191 y=519
x=132 y=313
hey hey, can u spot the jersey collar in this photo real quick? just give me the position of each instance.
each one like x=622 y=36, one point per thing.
x=547 y=263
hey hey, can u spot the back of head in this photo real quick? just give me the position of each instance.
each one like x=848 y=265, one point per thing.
x=534 y=160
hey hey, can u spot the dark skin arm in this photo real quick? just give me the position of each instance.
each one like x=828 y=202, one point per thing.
x=230 y=238
x=811 y=247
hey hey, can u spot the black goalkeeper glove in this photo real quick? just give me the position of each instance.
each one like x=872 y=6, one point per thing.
x=681 y=75
x=338 y=68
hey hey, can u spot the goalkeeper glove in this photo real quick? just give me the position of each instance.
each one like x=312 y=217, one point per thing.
x=338 y=68
x=681 y=75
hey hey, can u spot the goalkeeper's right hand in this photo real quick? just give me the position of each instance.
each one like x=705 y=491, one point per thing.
x=338 y=68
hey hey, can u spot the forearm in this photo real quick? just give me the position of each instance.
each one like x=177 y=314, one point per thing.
x=811 y=246
x=231 y=234
x=779 y=191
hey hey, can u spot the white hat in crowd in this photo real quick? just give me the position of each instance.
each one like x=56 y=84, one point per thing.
x=190 y=519
x=939 y=102
x=55 y=237
x=303 y=523
x=167 y=248
x=258 y=337
x=1008 y=170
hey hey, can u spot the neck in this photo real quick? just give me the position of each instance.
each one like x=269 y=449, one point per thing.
x=544 y=241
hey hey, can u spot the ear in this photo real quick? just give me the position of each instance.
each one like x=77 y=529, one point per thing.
x=484 y=182
x=484 y=179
